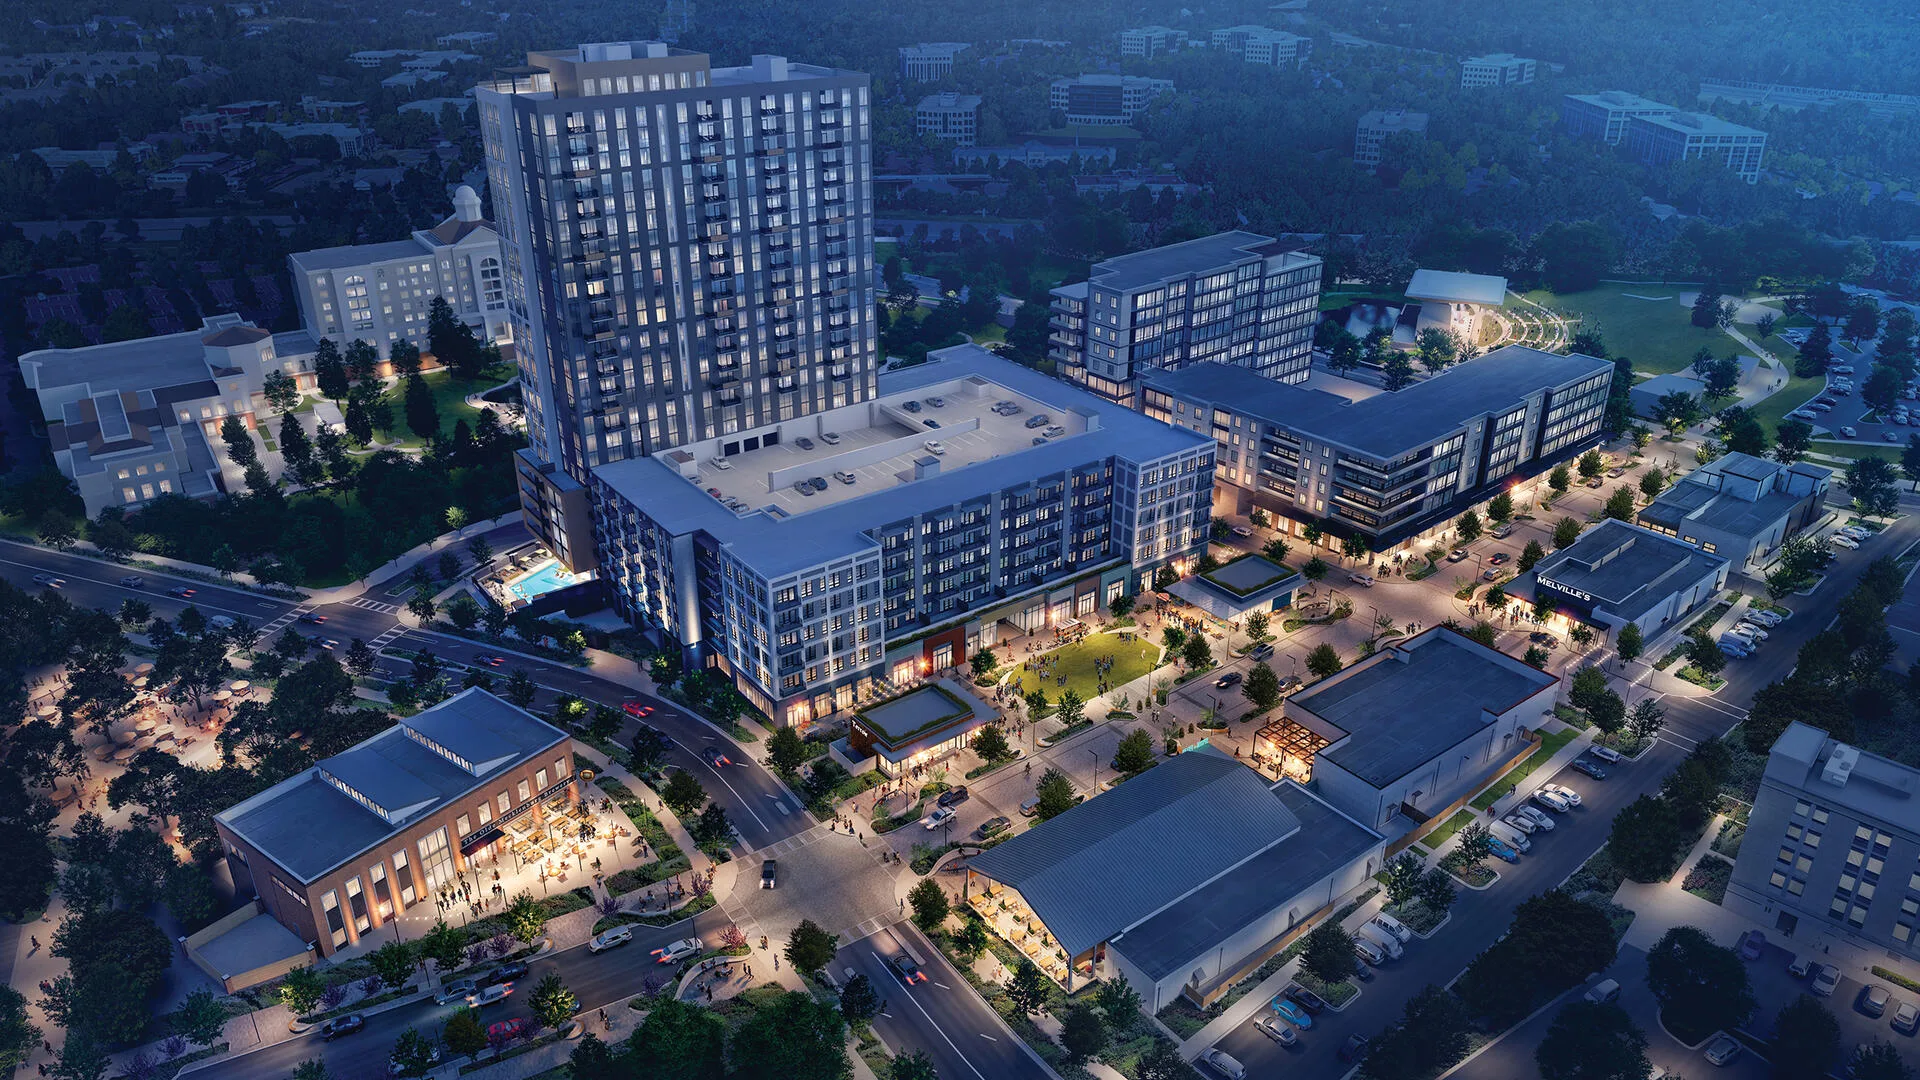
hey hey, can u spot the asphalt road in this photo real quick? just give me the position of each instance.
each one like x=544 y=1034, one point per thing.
x=959 y=1031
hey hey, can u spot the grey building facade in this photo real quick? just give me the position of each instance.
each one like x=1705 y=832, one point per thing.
x=688 y=254
x=1740 y=507
x=1604 y=116
x=1391 y=467
x=1232 y=298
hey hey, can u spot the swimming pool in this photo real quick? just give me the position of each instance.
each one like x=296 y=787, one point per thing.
x=542 y=580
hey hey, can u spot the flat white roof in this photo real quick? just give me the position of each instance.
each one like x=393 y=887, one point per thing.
x=1458 y=288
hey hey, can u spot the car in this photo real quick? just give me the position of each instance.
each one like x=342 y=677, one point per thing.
x=940 y=816
x=1571 y=796
x=182 y=591
x=1533 y=814
x=1826 y=978
x=502 y=1032
x=342 y=1025
x=1392 y=926
x=936 y=402
x=1800 y=967
x=1305 y=998
x=1583 y=765
x=1501 y=850
x=1225 y=1064
x=636 y=709
x=1262 y=651
x=1457 y=554
x=619 y=935
x=132 y=581
x=1361 y=971
x=770 y=873
x=1054 y=431
x=1605 y=753
x=910 y=406
x=844 y=476
x=1749 y=630
x=716 y=493
x=1768 y=619
x=1820 y=407
x=1849 y=433
x=1752 y=943
x=904 y=964
x=720 y=463
x=831 y=438
x=1604 y=992
x=1352 y=1049
x=505 y=973
x=455 y=991
x=1358 y=578
x=1276 y=1029
x=312 y=618
x=1891 y=436
x=1289 y=684
x=395 y=1068
x=715 y=757
x=1499 y=558
x=1873 y=1000
x=490 y=995
x=1038 y=440
x=1491 y=573
x=1616 y=471
x=819 y=483
x=930 y=422
x=1593 y=483
x=326 y=643
x=1518 y=822
x=804 y=488
x=1856 y=532
x=1906 y=1018
x=1722 y=1050
x=491 y=661
x=1231 y=678
x=676 y=951
x=50 y=581
x=935 y=446
x=1847 y=542
x=1552 y=801
x=993 y=826
x=803 y=443
x=1292 y=1013
x=1242 y=531
x=1039 y=419
x=1736 y=648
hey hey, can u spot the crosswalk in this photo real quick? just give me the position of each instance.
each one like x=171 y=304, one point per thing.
x=388 y=637
x=285 y=620
x=373 y=605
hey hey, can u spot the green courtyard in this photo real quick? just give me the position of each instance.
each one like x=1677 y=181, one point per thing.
x=1657 y=335
x=1131 y=659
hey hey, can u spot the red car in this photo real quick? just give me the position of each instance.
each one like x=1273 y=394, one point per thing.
x=493 y=661
x=507 y=1030
x=634 y=708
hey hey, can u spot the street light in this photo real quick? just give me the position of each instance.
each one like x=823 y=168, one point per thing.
x=1096 y=767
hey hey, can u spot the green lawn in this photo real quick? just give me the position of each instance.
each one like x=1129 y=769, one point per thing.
x=1550 y=745
x=1444 y=833
x=1657 y=335
x=1130 y=661
x=449 y=397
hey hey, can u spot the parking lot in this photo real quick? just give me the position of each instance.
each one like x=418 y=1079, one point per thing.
x=1839 y=408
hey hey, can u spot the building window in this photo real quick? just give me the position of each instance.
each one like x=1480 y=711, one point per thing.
x=525 y=792
x=504 y=801
x=540 y=779
x=403 y=874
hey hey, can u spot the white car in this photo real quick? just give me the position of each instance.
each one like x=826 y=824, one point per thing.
x=1567 y=793
x=1849 y=433
x=1518 y=822
x=938 y=818
x=935 y=446
x=1748 y=630
x=1242 y=531
x=1276 y=1029
x=1532 y=813
x=1847 y=542
x=831 y=438
x=677 y=951
x=619 y=935
x=1552 y=801
x=1856 y=532
x=720 y=463
x=1224 y=1064
x=1768 y=619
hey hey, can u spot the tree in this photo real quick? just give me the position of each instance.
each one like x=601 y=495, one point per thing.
x=1430 y=1035
x=1469 y=526
x=1629 y=643
x=1344 y=354
x=990 y=742
x=683 y=1042
x=1397 y=373
x=1565 y=532
x=281 y=392
x=1882 y=388
x=1262 y=687
x=1815 y=353
x=412 y=1054
x=240 y=448
x=404 y=355
x=1706 y=654
x=1327 y=953
x=1588 y=1041
x=1118 y=1002
x=711 y=829
x=1560 y=480
x=1646 y=839
x=1196 y=653
x=1870 y=482
x=930 y=905
x=443 y=945
x=552 y=1003
x=1701 y=986
x=423 y=415
x=792 y=1038
x=1806 y=1040
x=1315 y=569
x=1476 y=844
x=1401 y=878
x=1054 y=793
x=810 y=948
x=1706 y=313
x=1276 y=550
x=1620 y=504
x=1500 y=508
x=1323 y=661
x=859 y=1002
x=984 y=662
x=1028 y=988
x=1071 y=709
x=1257 y=624
x=1082 y=1031
x=1722 y=378
x=394 y=962
x=83 y=1057
x=1437 y=890
x=520 y=690
x=682 y=793
x=1531 y=555
x=1646 y=720
x=1163 y=1062
x=18 y=1036
x=1877 y=1060
x=786 y=750
x=1135 y=752
x=465 y=1036
x=1588 y=684
x=329 y=371
x=200 y=1018
x=451 y=341
x=300 y=991
x=914 y=1066
x=524 y=918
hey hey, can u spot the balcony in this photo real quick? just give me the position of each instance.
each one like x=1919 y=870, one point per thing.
x=715 y=212
x=586 y=209
x=597 y=270
x=730 y=396
x=713 y=172
x=711 y=151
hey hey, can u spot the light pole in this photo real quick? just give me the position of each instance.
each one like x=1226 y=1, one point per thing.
x=1095 y=754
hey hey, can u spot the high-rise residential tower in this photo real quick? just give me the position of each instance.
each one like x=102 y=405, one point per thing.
x=688 y=256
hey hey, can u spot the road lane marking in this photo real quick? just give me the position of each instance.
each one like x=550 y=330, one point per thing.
x=144 y=593
x=988 y=1037
x=936 y=1027
x=943 y=986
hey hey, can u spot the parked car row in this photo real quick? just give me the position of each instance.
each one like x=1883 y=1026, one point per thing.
x=1376 y=942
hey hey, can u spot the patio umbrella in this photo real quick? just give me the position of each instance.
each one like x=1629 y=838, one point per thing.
x=240 y=686
x=143 y=669
x=144 y=724
x=125 y=753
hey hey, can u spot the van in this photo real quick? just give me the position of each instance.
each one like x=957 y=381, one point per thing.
x=1503 y=530
x=1605 y=753
x=1386 y=941
x=1368 y=951
x=1392 y=926
x=1030 y=807
x=1513 y=837
x=1604 y=992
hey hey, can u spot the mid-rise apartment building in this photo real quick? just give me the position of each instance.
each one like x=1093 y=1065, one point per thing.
x=1262 y=45
x=951 y=116
x=1831 y=857
x=1105 y=100
x=1604 y=116
x=1148 y=42
x=1495 y=69
x=1390 y=467
x=1689 y=136
x=688 y=255
x=930 y=61
x=1233 y=298
x=821 y=559
x=380 y=293
x=1374 y=128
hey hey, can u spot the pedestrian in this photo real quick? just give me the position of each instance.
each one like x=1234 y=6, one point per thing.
x=36 y=946
x=776 y=961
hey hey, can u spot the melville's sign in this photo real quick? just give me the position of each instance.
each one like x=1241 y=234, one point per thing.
x=1577 y=594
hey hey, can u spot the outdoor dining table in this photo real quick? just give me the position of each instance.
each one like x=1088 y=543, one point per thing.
x=143 y=669
x=125 y=753
x=144 y=724
x=48 y=712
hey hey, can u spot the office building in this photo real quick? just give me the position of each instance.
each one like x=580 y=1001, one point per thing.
x=930 y=61
x=1495 y=69
x=1150 y=41
x=1261 y=45
x=1740 y=507
x=339 y=850
x=1389 y=468
x=130 y=421
x=1235 y=298
x=1035 y=154
x=1105 y=100
x=1690 y=136
x=1407 y=732
x=1618 y=573
x=835 y=556
x=1604 y=116
x=647 y=313
x=1831 y=858
x=1376 y=127
x=951 y=116
x=1180 y=881
x=380 y=293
